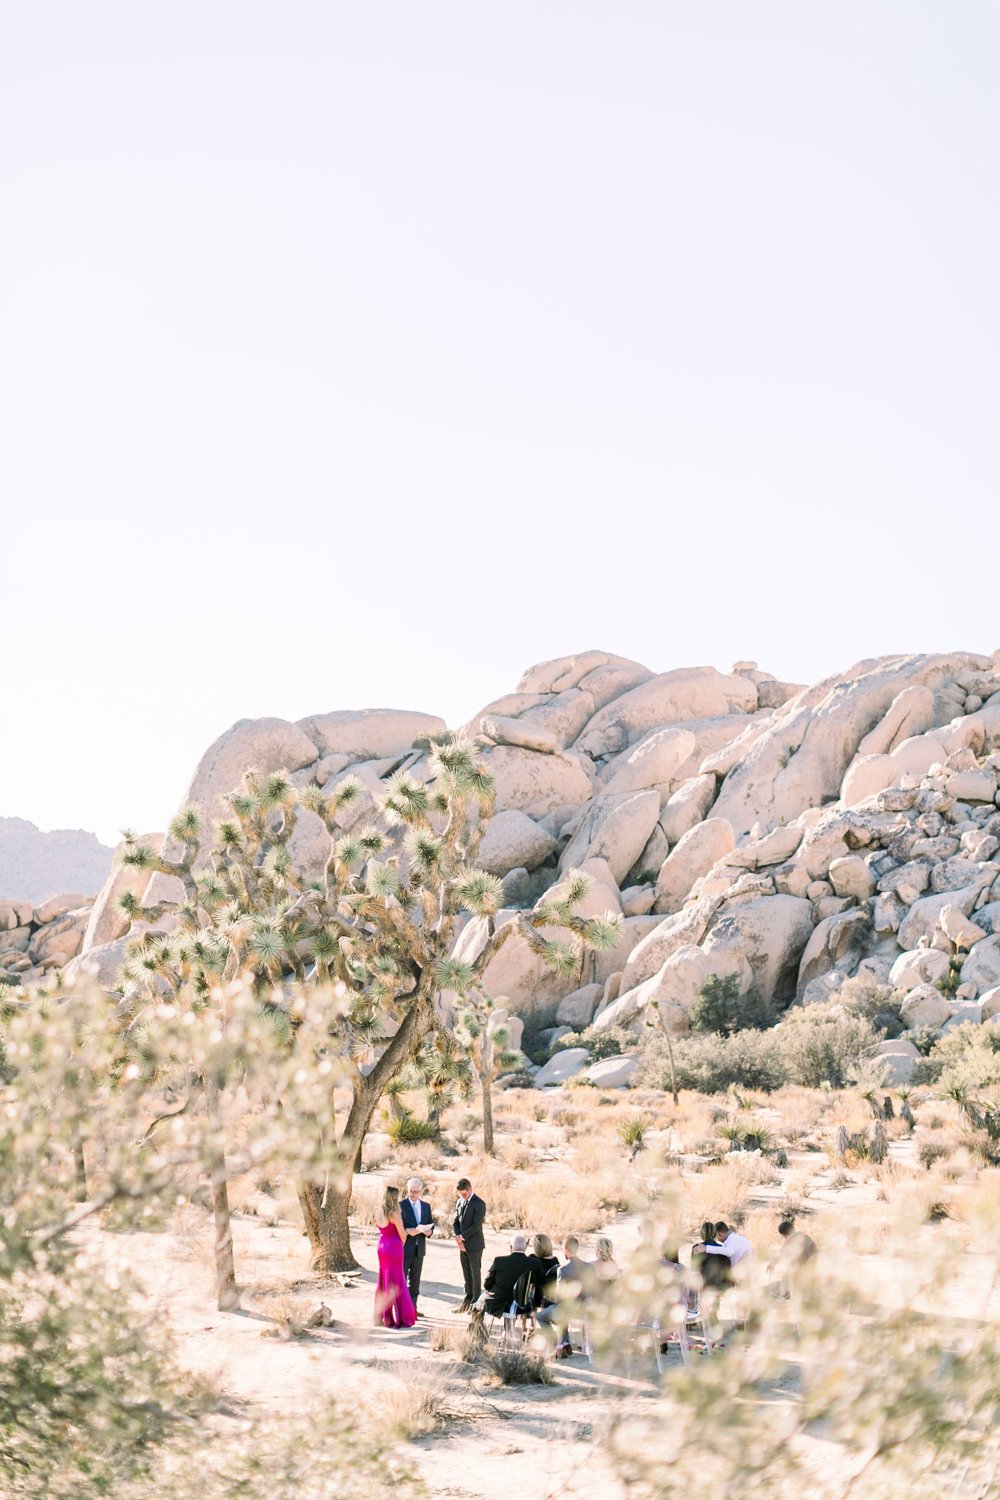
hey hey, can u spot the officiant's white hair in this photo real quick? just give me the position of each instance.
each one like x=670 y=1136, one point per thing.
x=416 y=1182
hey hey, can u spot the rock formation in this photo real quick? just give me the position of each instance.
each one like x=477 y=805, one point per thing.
x=789 y=836
x=36 y=865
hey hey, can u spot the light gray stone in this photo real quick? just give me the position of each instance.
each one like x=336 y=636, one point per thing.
x=686 y=807
x=512 y=839
x=982 y=967
x=577 y=1008
x=900 y=1059
x=918 y=966
x=613 y=1072
x=922 y=918
x=615 y=830
x=925 y=1006
x=367 y=733
x=563 y=1066
x=527 y=734
x=850 y=876
x=692 y=858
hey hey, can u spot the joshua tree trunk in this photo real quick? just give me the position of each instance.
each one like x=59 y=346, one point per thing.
x=80 y=1168
x=487 y=1088
x=228 y=1298
x=673 y=1070
x=325 y=1209
x=327 y=1204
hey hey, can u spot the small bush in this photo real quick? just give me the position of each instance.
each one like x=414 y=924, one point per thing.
x=611 y=1042
x=632 y=1132
x=710 y=1064
x=720 y=1009
x=821 y=1044
x=513 y=1366
x=407 y=1130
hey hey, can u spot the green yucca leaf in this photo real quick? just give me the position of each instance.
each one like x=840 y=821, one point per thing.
x=313 y=799
x=324 y=944
x=348 y=850
x=278 y=861
x=267 y=942
x=561 y=958
x=138 y=857
x=602 y=933
x=276 y=791
x=129 y=903
x=479 y=892
x=405 y=798
x=243 y=804
x=347 y=791
x=575 y=887
x=423 y=848
x=454 y=974
x=186 y=825
x=227 y=834
x=381 y=880
x=372 y=841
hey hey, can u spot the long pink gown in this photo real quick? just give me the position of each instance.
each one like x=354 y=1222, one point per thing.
x=393 y=1304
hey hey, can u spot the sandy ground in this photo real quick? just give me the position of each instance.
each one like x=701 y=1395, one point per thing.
x=520 y=1443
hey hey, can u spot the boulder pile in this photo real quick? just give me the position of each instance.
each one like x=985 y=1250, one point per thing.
x=790 y=836
x=35 y=941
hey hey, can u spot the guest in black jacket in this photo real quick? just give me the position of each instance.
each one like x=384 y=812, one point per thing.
x=544 y=1270
x=504 y=1274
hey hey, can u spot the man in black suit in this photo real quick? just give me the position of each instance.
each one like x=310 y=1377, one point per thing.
x=418 y=1221
x=470 y=1214
x=504 y=1274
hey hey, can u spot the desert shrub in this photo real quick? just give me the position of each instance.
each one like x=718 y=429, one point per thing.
x=710 y=1064
x=923 y=1038
x=821 y=1044
x=876 y=1003
x=407 y=1129
x=719 y=1008
x=632 y=1132
x=611 y=1042
x=968 y=1058
x=510 y=1365
x=413 y=1401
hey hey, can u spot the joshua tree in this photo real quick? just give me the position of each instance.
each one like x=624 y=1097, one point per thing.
x=487 y=1047
x=373 y=937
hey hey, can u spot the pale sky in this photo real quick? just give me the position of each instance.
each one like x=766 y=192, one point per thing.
x=360 y=354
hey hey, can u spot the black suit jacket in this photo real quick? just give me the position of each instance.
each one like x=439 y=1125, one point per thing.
x=469 y=1219
x=504 y=1274
x=416 y=1244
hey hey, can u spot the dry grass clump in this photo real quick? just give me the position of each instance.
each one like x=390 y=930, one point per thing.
x=510 y=1365
x=462 y=1343
x=721 y=1191
x=413 y=1400
x=516 y=1156
x=366 y=1203
x=289 y=1319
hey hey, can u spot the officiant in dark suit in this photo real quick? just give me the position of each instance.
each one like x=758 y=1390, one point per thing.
x=418 y=1222
x=470 y=1215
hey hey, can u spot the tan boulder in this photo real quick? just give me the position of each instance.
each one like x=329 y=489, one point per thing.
x=535 y=783
x=899 y=1059
x=692 y=858
x=366 y=733
x=850 y=876
x=58 y=941
x=770 y=934
x=982 y=967
x=616 y=830
x=577 y=1008
x=670 y=933
x=670 y=698
x=922 y=918
x=773 y=849
x=15 y=914
x=57 y=906
x=687 y=807
x=801 y=760
x=617 y=673
x=924 y=1006
x=512 y=839
x=958 y=928
x=866 y=777
x=653 y=762
x=838 y=941
x=525 y=734
x=910 y=713
x=918 y=966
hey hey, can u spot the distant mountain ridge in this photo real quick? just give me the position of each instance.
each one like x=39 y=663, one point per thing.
x=36 y=865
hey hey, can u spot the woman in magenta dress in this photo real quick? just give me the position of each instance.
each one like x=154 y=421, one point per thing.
x=393 y=1305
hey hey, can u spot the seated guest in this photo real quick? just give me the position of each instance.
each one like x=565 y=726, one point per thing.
x=735 y=1247
x=796 y=1250
x=544 y=1271
x=573 y=1282
x=714 y=1269
x=503 y=1276
x=605 y=1266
